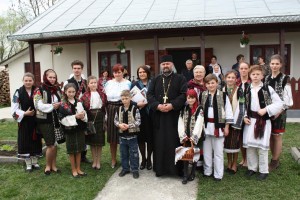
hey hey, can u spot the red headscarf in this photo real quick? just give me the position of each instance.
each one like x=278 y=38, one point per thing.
x=193 y=93
x=47 y=85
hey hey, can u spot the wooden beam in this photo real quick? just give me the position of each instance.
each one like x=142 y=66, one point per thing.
x=202 y=48
x=156 y=59
x=88 y=57
x=31 y=57
x=282 y=47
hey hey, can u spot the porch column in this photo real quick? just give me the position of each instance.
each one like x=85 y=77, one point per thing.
x=156 y=62
x=31 y=56
x=282 y=48
x=88 y=57
x=202 y=48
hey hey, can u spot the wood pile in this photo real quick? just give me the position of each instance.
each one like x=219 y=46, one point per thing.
x=4 y=88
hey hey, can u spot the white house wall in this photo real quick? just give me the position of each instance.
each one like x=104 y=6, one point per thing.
x=225 y=47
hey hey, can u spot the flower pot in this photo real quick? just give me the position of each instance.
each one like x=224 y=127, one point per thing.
x=58 y=54
x=123 y=50
x=242 y=45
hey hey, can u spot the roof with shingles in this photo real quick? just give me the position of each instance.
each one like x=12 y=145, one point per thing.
x=81 y=17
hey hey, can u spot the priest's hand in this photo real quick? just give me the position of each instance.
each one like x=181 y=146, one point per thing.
x=168 y=107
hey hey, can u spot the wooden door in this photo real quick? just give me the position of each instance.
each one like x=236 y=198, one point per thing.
x=36 y=73
x=149 y=56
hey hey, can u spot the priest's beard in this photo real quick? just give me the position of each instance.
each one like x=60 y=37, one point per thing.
x=167 y=71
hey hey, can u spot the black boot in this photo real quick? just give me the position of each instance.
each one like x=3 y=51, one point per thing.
x=185 y=172
x=192 y=175
x=84 y=158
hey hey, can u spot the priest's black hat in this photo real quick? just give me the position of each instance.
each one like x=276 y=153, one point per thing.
x=166 y=58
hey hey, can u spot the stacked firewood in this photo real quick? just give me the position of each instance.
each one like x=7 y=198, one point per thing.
x=4 y=87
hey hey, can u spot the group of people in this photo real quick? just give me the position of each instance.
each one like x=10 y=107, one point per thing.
x=176 y=115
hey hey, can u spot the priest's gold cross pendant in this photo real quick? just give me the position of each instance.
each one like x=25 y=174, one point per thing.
x=165 y=98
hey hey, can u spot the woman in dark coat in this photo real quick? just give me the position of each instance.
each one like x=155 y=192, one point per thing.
x=145 y=135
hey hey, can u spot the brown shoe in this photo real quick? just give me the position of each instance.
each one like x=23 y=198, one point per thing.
x=274 y=164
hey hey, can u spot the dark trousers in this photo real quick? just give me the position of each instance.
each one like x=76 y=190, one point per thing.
x=129 y=153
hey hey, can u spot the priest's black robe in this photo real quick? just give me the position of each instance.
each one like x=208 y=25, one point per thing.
x=165 y=123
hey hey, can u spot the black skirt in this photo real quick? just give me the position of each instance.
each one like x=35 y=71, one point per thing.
x=29 y=142
x=146 y=131
x=97 y=139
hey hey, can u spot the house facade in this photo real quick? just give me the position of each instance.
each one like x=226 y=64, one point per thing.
x=90 y=31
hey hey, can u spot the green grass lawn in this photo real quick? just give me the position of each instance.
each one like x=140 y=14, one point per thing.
x=16 y=184
x=284 y=183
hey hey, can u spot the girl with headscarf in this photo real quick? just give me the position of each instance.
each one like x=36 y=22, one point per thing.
x=47 y=99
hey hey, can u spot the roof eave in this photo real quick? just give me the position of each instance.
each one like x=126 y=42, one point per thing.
x=159 y=25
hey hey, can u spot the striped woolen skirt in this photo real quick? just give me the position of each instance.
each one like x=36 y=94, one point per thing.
x=112 y=130
x=97 y=139
x=232 y=141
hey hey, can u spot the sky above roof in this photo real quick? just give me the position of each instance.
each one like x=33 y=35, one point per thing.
x=93 y=16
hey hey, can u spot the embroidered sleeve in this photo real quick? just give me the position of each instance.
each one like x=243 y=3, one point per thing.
x=79 y=109
x=276 y=106
x=38 y=103
x=16 y=112
x=181 y=132
x=287 y=96
x=198 y=129
x=137 y=121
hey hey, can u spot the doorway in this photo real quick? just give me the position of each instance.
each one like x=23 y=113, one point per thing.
x=180 y=55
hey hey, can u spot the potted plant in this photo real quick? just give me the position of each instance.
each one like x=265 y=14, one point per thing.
x=122 y=47
x=244 y=40
x=58 y=50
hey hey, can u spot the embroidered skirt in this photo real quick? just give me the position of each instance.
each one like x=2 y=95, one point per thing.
x=75 y=140
x=232 y=141
x=278 y=124
x=112 y=130
x=97 y=139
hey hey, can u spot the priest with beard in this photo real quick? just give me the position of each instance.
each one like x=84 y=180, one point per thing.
x=166 y=96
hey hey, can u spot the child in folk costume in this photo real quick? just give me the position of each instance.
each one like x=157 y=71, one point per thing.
x=243 y=82
x=262 y=102
x=217 y=117
x=128 y=120
x=232 y=140
x=73 y=119
x=22 y=108
x=280 y=83
x=94 y=101
x=190 y=127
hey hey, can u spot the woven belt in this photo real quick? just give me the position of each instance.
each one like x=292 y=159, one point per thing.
x=210 y=120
